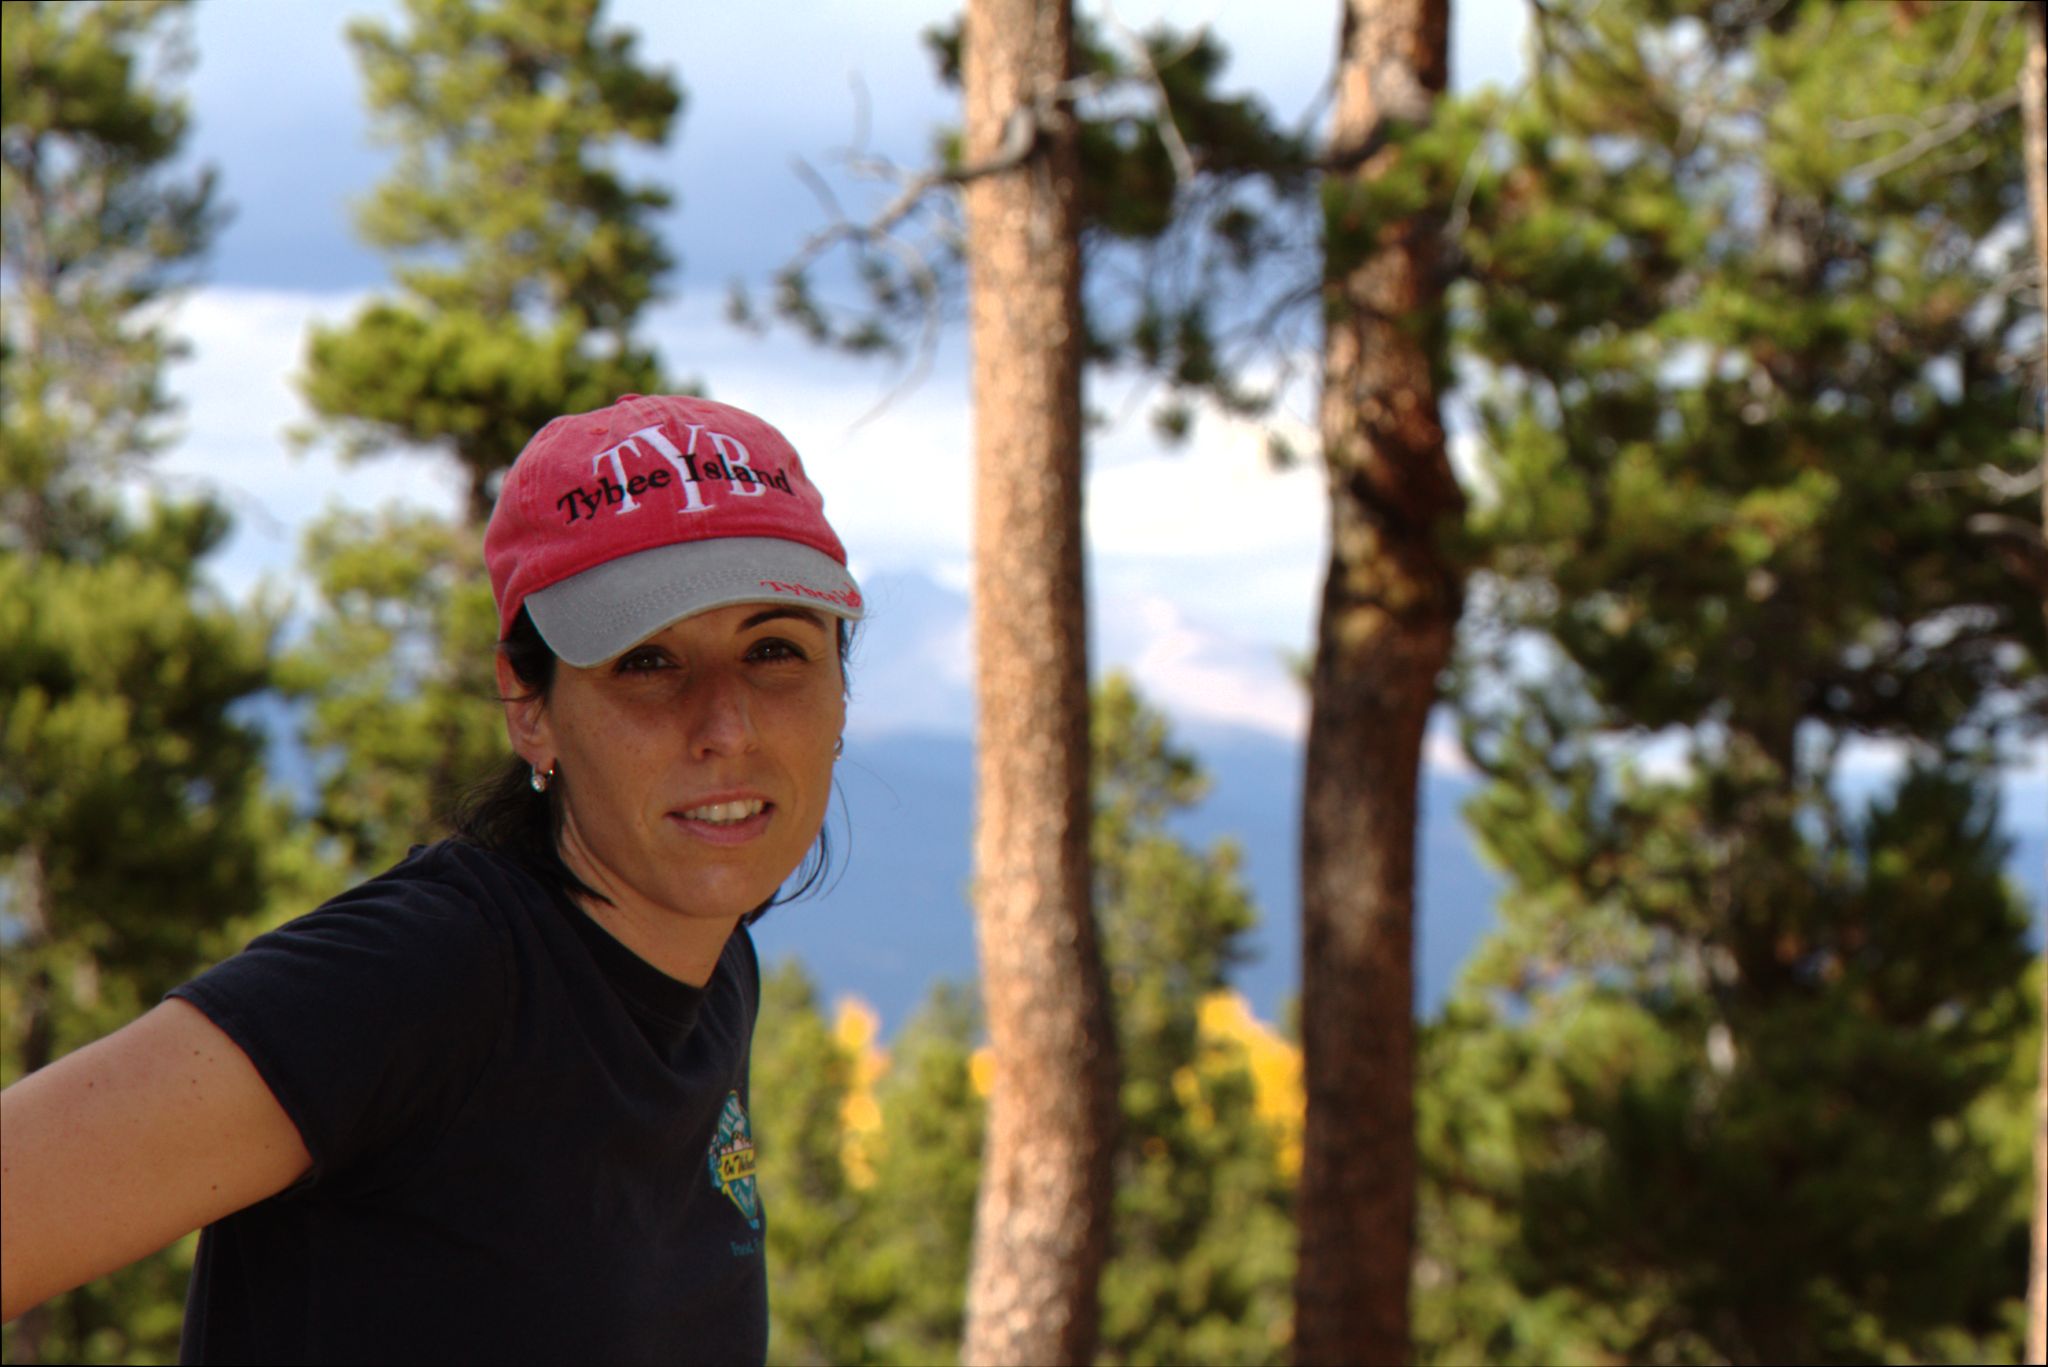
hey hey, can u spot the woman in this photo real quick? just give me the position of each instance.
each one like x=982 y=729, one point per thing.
x=491 y=1106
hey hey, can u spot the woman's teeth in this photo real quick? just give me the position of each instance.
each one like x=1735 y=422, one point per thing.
x=724 y=813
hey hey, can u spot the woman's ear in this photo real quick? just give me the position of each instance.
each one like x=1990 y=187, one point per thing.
x=526 y=720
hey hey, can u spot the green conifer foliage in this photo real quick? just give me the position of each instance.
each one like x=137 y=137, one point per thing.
x=800 y=1080
x=1202 y=1253
x=399 y=674
x=1746 y=327
x=136 y=834
x=927 y=1166
x=524 y=260
x=525 y=257
x=96 y=228
x=866 y=1265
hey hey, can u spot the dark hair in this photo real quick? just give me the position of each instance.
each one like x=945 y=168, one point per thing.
x=504 y=814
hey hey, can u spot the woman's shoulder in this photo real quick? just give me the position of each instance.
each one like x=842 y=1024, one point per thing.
x=432 y=938
x=448 y=891
x=452 y=872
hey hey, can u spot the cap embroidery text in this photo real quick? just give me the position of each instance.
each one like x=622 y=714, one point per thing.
x=729 y=463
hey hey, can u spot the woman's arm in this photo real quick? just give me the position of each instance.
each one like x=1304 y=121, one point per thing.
x=114 y=1151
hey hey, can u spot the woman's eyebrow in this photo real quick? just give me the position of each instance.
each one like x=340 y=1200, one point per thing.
x=770 y=614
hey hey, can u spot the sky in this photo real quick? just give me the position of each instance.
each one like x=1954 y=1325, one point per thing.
x=1204 y=563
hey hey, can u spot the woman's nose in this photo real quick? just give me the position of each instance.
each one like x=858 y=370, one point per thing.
x=724 y=720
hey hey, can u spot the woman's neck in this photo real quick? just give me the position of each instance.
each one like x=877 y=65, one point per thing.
x=685 y=948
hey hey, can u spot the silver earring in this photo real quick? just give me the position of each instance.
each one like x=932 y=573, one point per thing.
x=838 y=747
x=540 y=781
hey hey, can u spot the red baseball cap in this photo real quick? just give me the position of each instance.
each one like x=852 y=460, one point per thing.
x=614 y=523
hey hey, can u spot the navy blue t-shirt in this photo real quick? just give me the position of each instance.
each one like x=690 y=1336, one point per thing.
x=529 y=1145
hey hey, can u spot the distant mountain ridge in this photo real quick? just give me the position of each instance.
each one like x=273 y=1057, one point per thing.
x=894 y=917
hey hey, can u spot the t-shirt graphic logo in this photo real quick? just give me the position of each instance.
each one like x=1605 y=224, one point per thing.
x=732 y=1160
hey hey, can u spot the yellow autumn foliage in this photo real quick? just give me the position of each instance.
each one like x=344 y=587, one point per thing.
x=1231 y=1035
x=1230 y=1028
x=854 y=1028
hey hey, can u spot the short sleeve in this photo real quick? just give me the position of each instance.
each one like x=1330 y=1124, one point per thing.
x=371 y=1020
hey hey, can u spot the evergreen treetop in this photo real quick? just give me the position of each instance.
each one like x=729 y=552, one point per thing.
x=95 y=225
x=525 y=258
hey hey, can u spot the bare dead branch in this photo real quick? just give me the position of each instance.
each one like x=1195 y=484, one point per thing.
x=1020 y=137
x=1468 y=179
x=863 y=111
x=2004 y=485
x=1966 y=43
x=820 y=188
x=1169 y=131
x=877 y=235
x=2020 y=544
x=927 y=281
x=1954 y=121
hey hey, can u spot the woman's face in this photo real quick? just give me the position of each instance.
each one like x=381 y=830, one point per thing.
x=694 y=768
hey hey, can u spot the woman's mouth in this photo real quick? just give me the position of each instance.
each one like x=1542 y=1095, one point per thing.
x=725 y=813
x=726 y=823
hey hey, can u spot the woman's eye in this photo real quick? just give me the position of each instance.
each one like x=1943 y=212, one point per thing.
x=634 y=661
x=775 y=648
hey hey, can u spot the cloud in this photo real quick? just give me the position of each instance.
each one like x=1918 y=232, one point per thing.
x=1218 y=496
x=1198 y=675
x=1442 y=754
x=236 y=388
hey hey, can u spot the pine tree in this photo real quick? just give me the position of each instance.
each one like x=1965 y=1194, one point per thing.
x=525 y=262
x=1747 y=337
x=1042 y=1223
x=96 y=229
x=1392 y=592
x=920 y=1218
x=1201 y=1250
x=800 y=1080
x=867 y=1259
x=528 y=259
x=135 y=827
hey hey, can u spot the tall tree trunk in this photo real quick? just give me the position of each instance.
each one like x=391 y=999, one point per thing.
x=1391 y=599
x=1042 y=1222
x=2034 y=104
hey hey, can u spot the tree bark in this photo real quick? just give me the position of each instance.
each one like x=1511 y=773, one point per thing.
x=1042 y=1220
x=2034 y=107
x=1391 y=599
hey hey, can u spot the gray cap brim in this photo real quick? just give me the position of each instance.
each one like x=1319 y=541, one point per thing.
x=590 y=617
